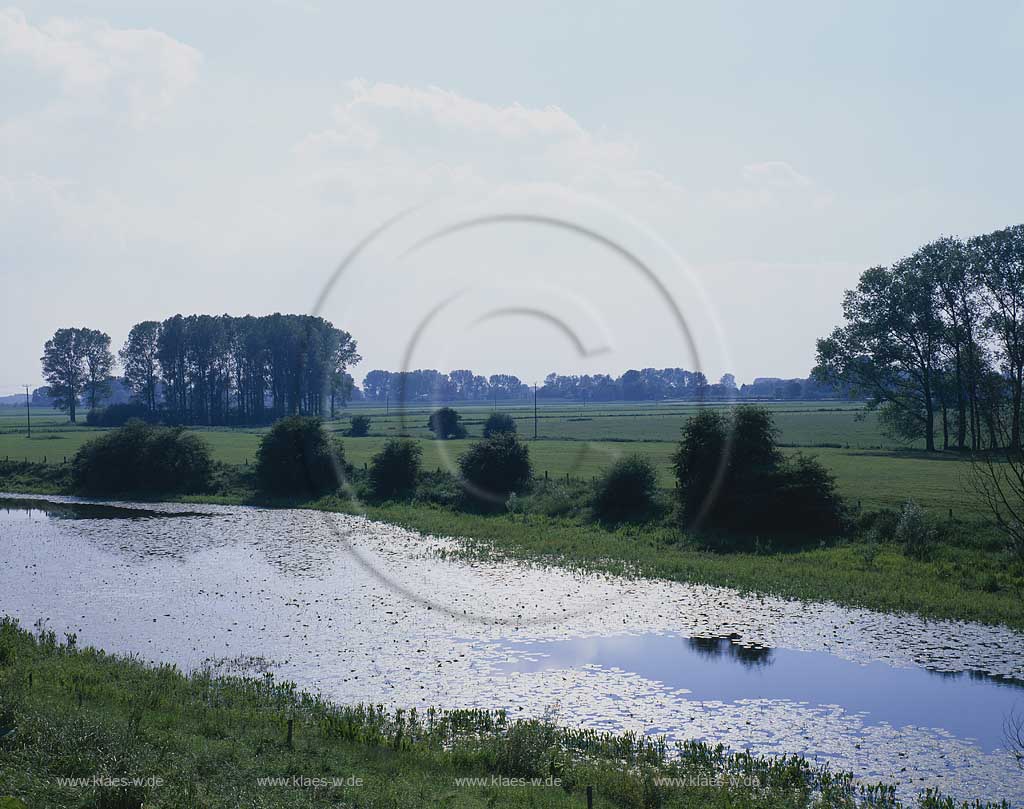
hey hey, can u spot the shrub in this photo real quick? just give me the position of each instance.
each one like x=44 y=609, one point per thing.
x=359 y=426
x=626 y=489
x=439 y=488
x=118 y=415
x=395 y=469
x=140 y=457
x=446 y=423
x=731 y=477
x=499 y=423
x=496 y=466
x=296 y=457
x=913 y=532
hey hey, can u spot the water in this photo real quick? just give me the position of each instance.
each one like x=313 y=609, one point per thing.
x=968 y=704
x=362 y=611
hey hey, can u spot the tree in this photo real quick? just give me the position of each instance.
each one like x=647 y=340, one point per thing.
x=140 y=457
x=296 y=457
x=495 y=467
x=395 y=469
x=891 y=346
x=947 y=263
x=139 y=357
x=626 y=489
x=733 y=479
x=445 y=423
x=499 y=423
x=99 y=362
x=999 y=260
x=64 y=368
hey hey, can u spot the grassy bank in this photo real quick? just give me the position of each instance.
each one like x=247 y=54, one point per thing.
x=152 y=737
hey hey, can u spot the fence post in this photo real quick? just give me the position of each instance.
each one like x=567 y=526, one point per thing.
x=590 y=797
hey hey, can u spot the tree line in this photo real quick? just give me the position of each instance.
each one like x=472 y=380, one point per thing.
x=209 y=369
x=936 y=342
x=647 y=384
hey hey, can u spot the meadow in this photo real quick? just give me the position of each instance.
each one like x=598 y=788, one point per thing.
x=580 y=441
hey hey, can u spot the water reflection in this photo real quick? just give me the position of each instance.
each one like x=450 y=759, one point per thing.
x=727 y=669
x=32 y=508
x=747 y=654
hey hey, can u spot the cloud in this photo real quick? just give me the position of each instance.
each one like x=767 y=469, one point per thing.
x=386 y=136
x=134 y=73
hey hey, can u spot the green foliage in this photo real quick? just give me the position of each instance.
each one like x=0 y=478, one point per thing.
x=733 y=479
x=446 y=423
x=626 y=490
x=297 y=458
x=499 y=423
x=914 y=533
x=140 y=457
x=118 y=415
x=496 y=466
x=395 y=469
x=359 y=426
x=439 y=488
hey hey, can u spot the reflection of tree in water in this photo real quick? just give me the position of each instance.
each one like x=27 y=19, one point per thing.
x=748 y=655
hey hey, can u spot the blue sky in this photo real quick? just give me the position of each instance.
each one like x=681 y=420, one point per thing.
x=223 y=157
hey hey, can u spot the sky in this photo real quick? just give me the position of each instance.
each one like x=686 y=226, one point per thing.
x=570 y=187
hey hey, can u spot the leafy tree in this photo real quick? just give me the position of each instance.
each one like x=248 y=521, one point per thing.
x=891 y=346
x=296 y=457
x=999 y=261
x=99 y=362
x=732 y=478
x=140 y=362
x=626 y=490
x=64 y=368
x=499 y=423
x=140 y=457
x=395 y=469
x=445 y=423
x=496 y=466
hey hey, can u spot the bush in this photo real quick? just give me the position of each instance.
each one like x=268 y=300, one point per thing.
x=732 y=478
x=140 y=457
x=496 y=466
x=626 y=490
x=298 y=458
x=359 y=426
x=439 y=488
x=499 y=423
x=395 y=469
x=446 y=423
x=913 y=532
x=118 y=415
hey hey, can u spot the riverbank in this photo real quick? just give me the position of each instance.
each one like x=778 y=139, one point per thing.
x=134 y=734
x=968 y=576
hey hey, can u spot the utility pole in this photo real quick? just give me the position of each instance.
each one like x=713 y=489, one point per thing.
x=387 y=403
x=534 y=411
x=28 y=411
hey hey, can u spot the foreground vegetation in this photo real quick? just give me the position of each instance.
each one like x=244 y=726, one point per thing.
x=139 y=736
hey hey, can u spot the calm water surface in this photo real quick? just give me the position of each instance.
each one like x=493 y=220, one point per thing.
x=362 y=611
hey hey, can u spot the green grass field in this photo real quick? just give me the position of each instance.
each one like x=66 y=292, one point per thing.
x=582 y=441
